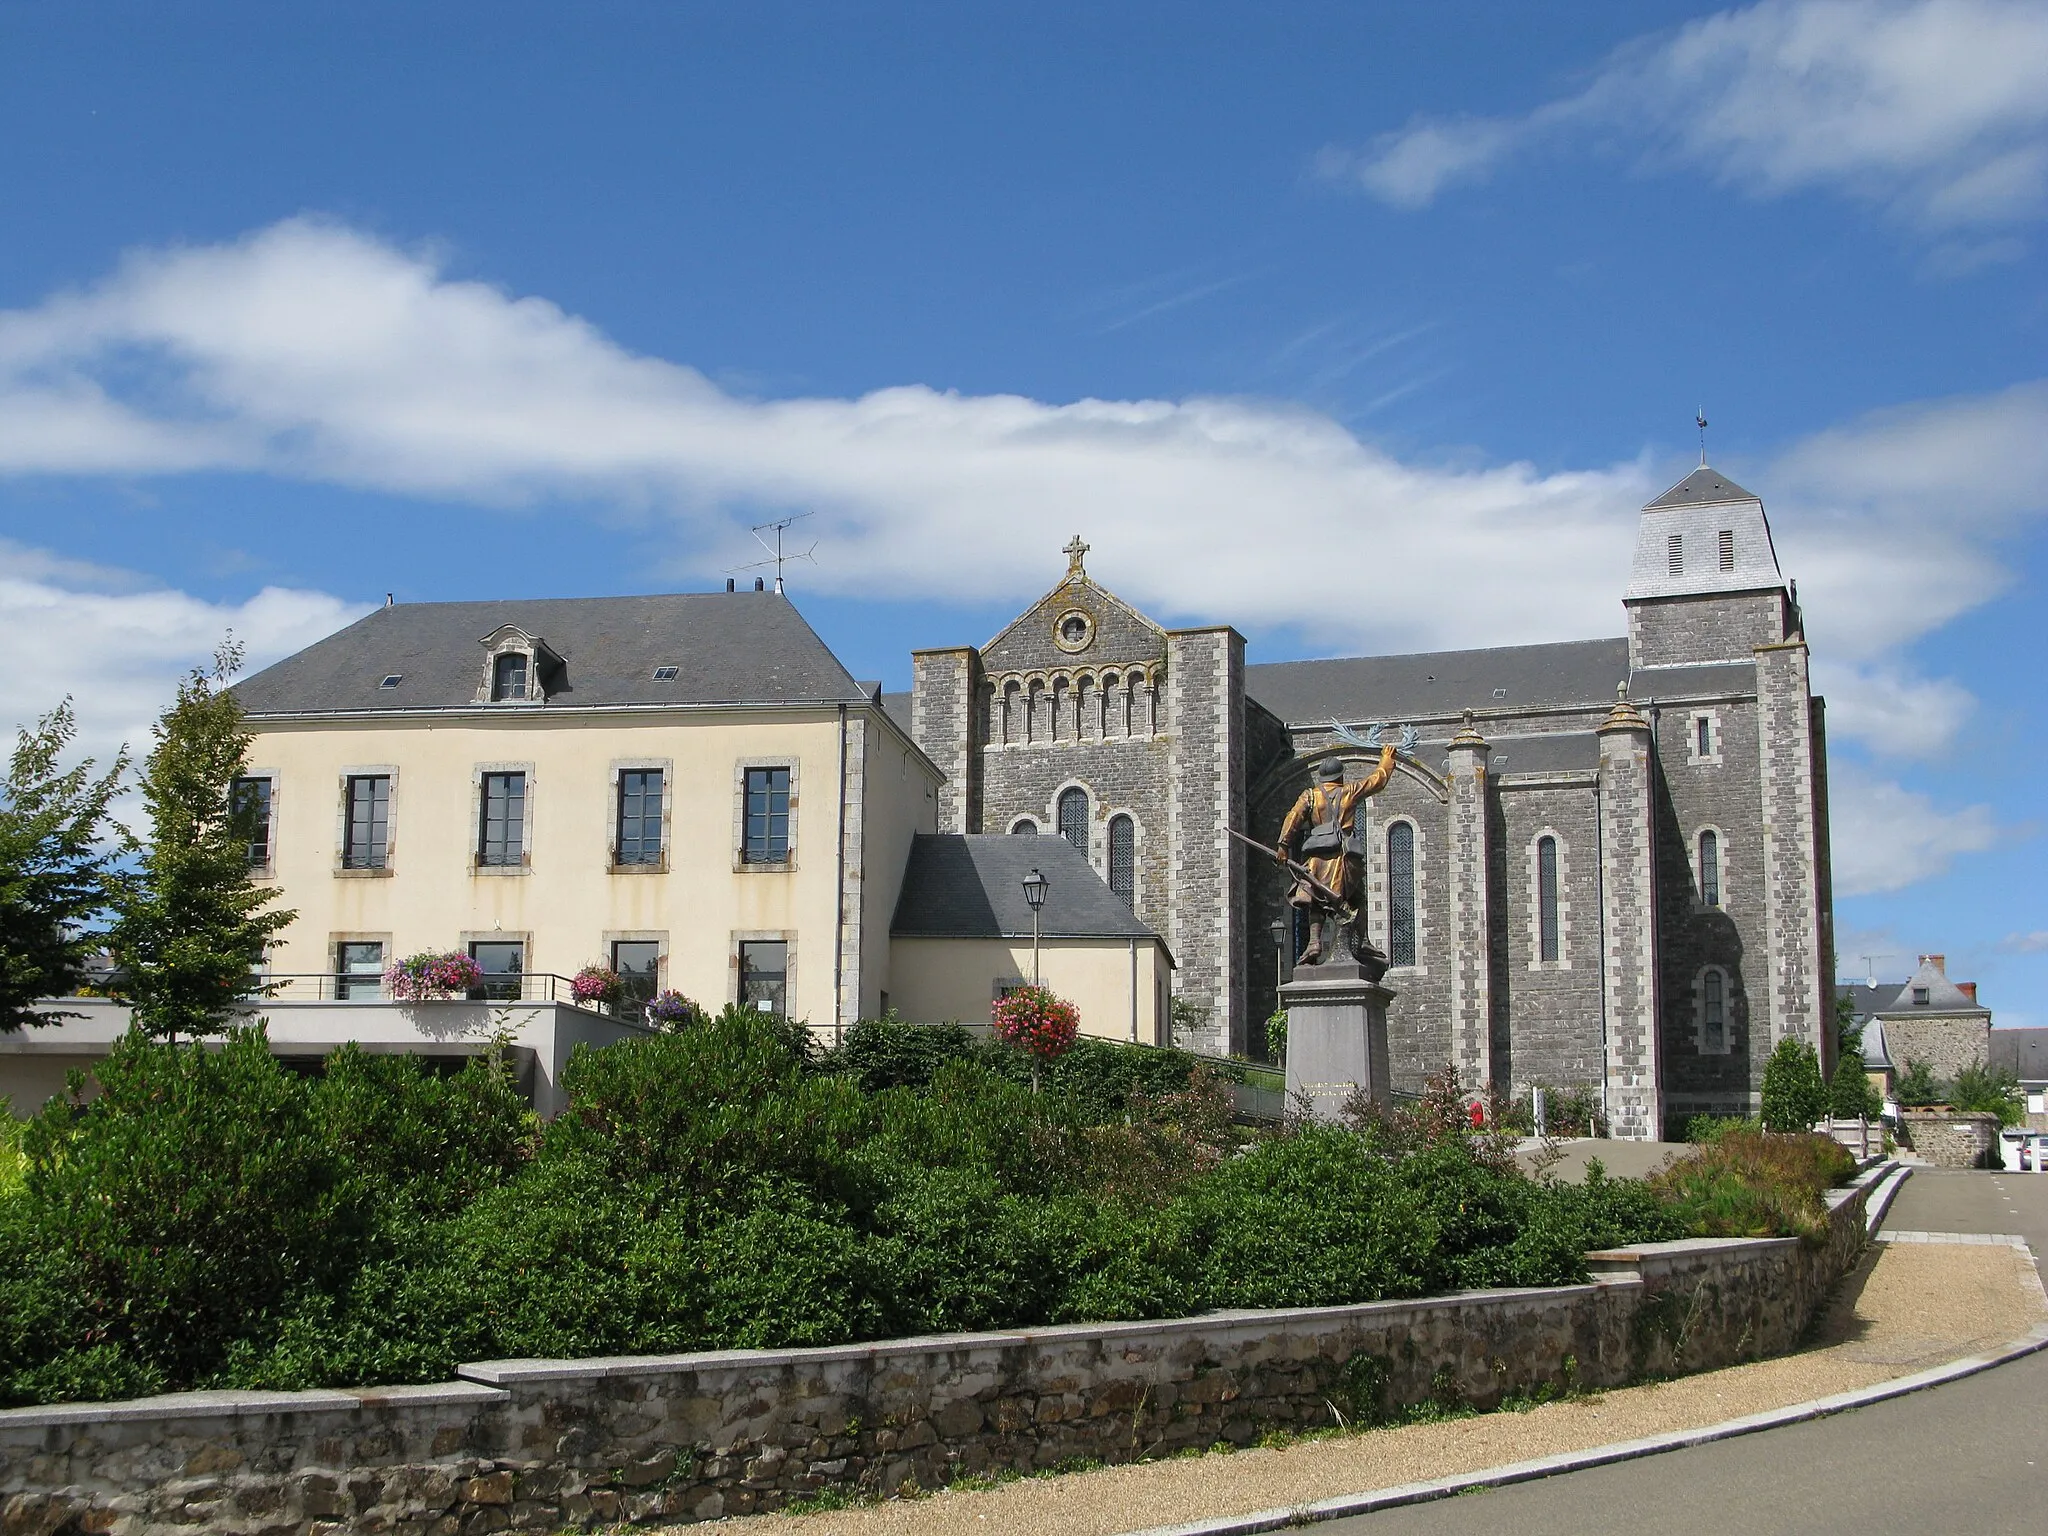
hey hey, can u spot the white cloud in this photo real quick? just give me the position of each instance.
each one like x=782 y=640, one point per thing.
x=119 y=651
x=307 y=351
x=2035 y=943
x=1936 y=110
x=1886 y=837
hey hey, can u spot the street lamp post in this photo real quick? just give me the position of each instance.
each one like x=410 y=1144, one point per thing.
x=1035 y=885
x=1281 y=927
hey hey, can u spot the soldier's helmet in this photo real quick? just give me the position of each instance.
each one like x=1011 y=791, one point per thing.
x=1329 y=770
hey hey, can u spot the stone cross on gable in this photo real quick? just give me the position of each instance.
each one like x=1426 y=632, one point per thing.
x=1074 y=551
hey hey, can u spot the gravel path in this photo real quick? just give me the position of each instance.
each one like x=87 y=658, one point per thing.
x=1906 y=1307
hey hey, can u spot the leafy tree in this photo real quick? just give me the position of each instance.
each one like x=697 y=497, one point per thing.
x=193 y=927
x=1849 y=1091
x=1919 y=1087
x=1989 y=1090
x=1794 y=1095
x=54 y=867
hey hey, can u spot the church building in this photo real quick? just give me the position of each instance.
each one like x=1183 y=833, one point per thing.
x=1604 y=864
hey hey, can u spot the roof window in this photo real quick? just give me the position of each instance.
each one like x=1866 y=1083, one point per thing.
x=392 y=680
x=508 y=675
x=666 y=674
x=1920 y=998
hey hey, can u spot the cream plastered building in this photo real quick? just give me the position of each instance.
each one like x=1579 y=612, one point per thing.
x=689 y=788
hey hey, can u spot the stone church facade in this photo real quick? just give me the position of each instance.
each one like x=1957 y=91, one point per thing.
x=1605 y=864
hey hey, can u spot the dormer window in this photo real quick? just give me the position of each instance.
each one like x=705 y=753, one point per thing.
x=508 y=675
x=1920 y=997
x=520 y=668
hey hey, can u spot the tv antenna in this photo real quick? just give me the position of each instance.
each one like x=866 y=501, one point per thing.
x=1869 y=970
x=1700 y=420
x=777 y=557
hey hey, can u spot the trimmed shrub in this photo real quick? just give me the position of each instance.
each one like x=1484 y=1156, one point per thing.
x=1794 y=1096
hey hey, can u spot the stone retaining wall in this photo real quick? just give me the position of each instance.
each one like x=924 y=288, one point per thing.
x=1951 y=1138
x=535 y=1444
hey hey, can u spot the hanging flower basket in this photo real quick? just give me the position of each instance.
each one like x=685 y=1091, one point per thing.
x=673 y=1012
x=597 y=984
x=430 y=978
x=1035 y=1021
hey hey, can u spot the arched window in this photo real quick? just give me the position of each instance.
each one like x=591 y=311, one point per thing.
x=1401 y=893
x=1710 y=868
x=1713 y=1011
x=1074 y=817
x=1546 y=898
x=1123 y=852
x=1024 y=826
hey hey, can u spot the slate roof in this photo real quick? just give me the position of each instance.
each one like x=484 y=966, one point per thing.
x=1438 y=683
x=1556 y=752
x=897 y=707
x=727 y=647
x=2023 y=1052
x=971 y=886
x=1705 y=486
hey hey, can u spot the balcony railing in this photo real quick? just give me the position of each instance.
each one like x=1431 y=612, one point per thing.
x=497 y=987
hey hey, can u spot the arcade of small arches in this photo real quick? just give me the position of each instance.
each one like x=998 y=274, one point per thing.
x=1081 y=704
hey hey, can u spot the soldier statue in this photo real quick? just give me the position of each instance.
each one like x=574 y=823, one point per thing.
x=1322 y=845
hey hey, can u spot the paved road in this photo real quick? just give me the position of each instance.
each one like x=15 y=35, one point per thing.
x=1971 y=1457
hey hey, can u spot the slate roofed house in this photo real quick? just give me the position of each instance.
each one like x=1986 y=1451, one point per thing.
x=962 y=936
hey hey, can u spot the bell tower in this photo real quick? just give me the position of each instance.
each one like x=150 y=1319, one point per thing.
x=1705 y=586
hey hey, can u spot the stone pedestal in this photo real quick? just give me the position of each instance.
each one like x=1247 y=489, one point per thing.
x=1336 y=1034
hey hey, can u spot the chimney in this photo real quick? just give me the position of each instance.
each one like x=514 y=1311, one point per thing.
x=1968 y=989
x=1935 y=962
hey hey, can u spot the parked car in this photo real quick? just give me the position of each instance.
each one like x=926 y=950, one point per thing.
x=2024 y=1151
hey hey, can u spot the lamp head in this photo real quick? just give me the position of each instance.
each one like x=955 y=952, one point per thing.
x=1035 y=886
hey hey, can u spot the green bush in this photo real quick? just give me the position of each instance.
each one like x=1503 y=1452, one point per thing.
x=215 y=1220
x=1919 y=1088
x=1752 y=1183
x=1850 y=1092
x=1794 y=1097
x=1986 y=1090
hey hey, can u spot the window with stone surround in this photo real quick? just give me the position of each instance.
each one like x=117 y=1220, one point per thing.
x=1072 y=817
x=1546 y=899
x=1123 y=858
x=254 y=795
x=1712 y=1001
x=1710 y=868
x=366 y=821
x=1703 y=736
x=1401 y=893
x=1024 y=826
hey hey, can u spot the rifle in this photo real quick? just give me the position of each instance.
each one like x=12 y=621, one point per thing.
x=1299 y=871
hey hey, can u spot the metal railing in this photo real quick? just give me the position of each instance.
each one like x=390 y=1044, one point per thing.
x=497 y=987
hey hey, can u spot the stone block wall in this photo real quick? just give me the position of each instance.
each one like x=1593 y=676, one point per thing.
x=1951 y=1138
x=541 y=1444
x=1947 y=1045
x=1710 y=627
x=1799 y=992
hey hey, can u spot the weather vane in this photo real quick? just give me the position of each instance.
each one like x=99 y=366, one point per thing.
x=1700 y=417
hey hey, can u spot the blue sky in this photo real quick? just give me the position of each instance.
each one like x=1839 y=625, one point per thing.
x=300 y=305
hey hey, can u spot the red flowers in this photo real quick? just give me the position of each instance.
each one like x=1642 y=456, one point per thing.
x=1034 y=1020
